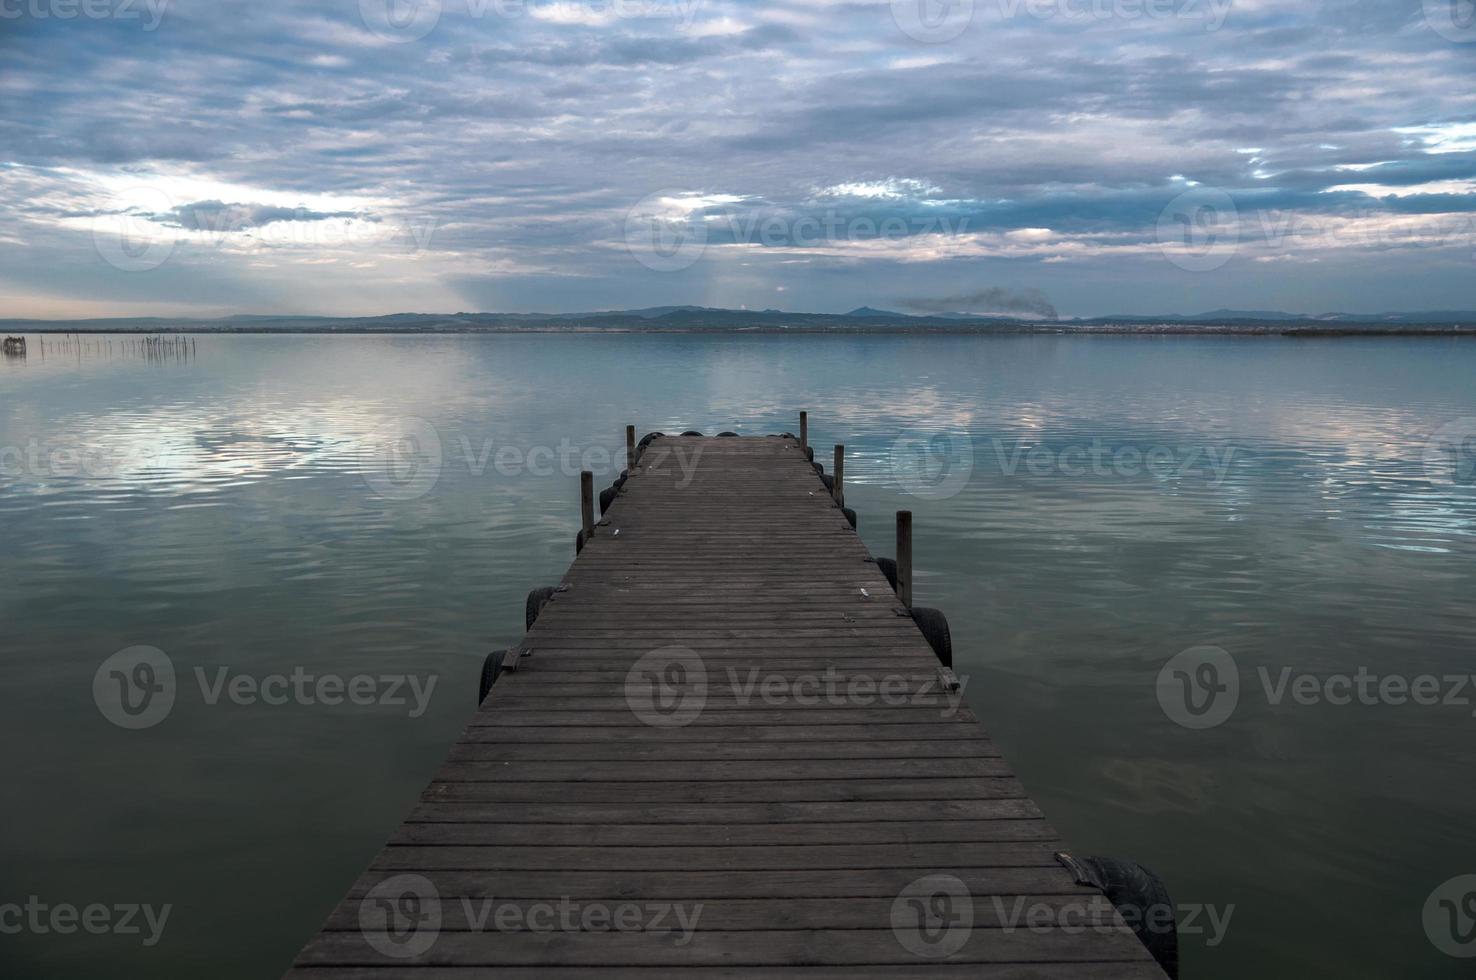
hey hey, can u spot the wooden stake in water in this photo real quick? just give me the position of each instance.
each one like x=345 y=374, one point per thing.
x=839 y=492
x=904 y=557
x=587 y=502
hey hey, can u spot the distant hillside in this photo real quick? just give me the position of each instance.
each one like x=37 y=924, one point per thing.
x=1276 y=316
x=699 y=318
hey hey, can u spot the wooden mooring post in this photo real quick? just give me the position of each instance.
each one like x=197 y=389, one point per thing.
x=839 y=467
x=630 y=448
x=804 y=440
x=586 y=509
x=904 y=558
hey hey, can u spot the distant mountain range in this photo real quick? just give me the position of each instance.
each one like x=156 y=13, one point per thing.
x=700 y=318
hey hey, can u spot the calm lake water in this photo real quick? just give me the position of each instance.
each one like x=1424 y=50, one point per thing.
x=1085 y=508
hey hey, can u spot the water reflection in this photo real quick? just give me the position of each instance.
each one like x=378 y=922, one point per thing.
x=1125 y=499
x=159 y=348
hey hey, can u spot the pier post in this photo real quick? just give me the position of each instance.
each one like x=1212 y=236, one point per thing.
x=839 y=472
x=904 y=557
x=587 y=503
x=804 y=431
x=630 y=448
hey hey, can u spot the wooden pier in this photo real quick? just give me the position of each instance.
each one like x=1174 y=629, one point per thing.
x=723 y=749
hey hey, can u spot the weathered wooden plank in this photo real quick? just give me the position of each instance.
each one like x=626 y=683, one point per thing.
x=805 y=717
x=982 y=883
x=829 y=790
x=489 y=832
x=714 y=857
x=627 y=735
x=907 y=813
x=785 y=770
x=930 y=971
x=703 y=947
x=666 y=751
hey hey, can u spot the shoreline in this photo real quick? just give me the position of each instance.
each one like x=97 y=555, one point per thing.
x=1125 y=330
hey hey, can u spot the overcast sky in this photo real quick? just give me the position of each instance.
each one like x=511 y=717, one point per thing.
x=206 y=157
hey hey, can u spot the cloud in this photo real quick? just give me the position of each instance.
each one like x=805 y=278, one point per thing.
x=217 y=216
x=1038 y=151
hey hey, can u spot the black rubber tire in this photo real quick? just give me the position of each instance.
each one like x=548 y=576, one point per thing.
x=850 y=516
x=607 y=497
x=889 y=569
x=727 y=435
x=620 y=480
x=819 y=467
x=810 y=454
x=691 y=432
x=491 y=670
x=934 y=626
x=578 y=541
x=829 y=482
x=1136 y=893
x=645 y=443
x=534 y=603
